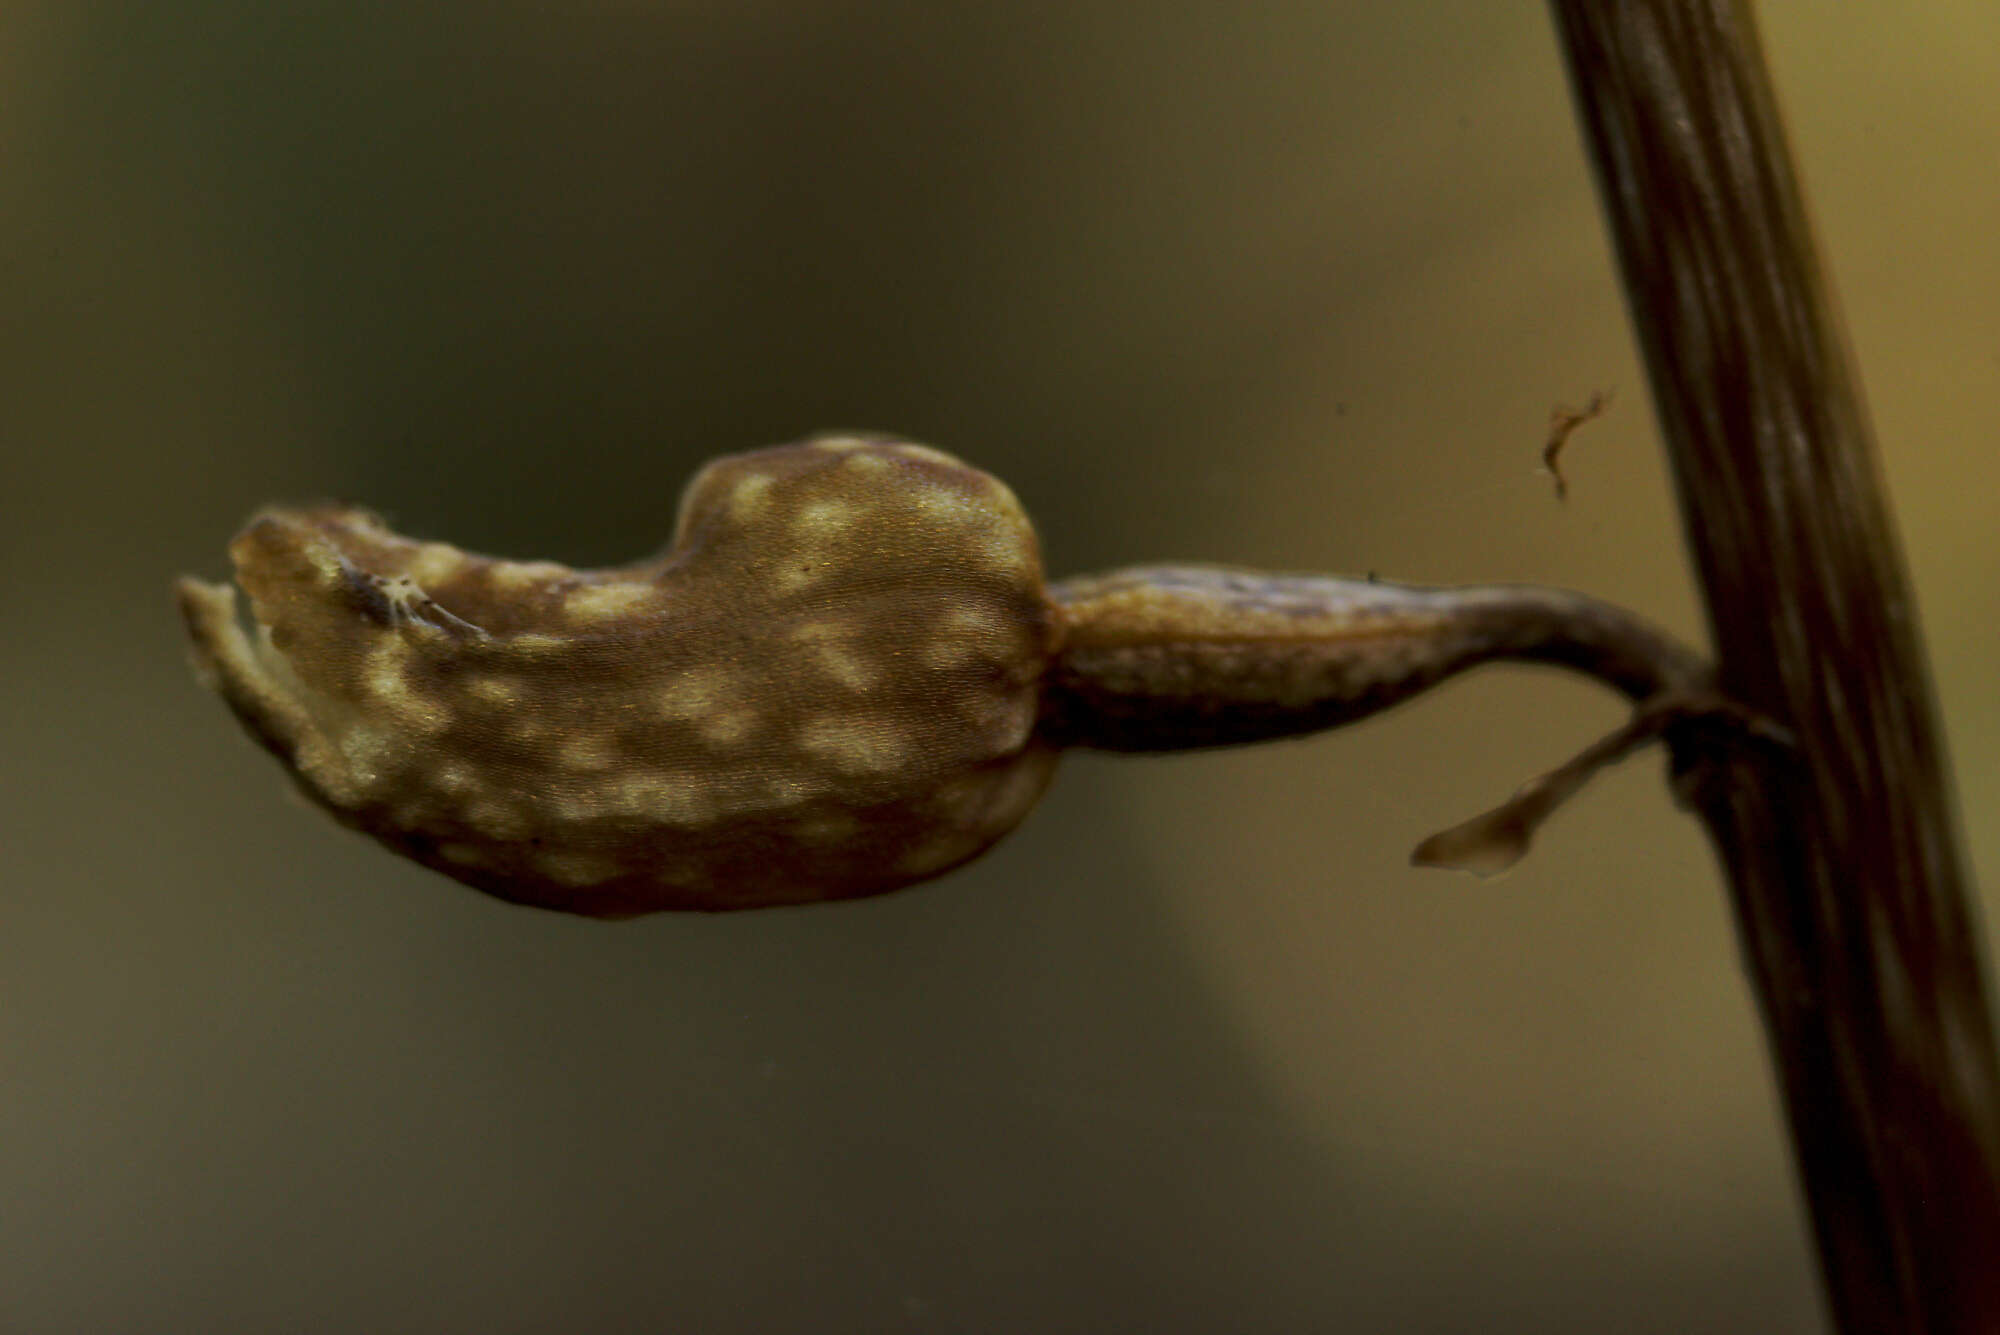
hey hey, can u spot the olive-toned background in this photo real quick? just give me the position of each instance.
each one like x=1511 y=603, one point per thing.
x=1291 y=284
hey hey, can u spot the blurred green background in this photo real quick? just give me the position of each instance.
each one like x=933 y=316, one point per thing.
x=1290 y=284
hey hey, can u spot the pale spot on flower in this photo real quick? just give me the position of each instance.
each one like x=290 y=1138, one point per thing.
x=495 y=691
x=855 y=744
x=435 y=562
x=600 y=602
x=826 y=521
x=670 y=798
x=368 y=753
x=518 y=576
x=386 y=673
x=747 y=498
x=450 y=776
x=726 y=727
x=694 y=692
x=828 y=644
x=965 y=634
x=587 y=754
x=845 y=666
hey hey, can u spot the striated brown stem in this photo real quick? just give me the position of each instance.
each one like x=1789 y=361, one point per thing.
x=1850 y=894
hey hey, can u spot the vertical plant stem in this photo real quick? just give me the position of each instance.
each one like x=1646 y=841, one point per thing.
x=1850 y=893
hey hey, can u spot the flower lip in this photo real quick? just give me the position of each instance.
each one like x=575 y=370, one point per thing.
x=763 y=714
